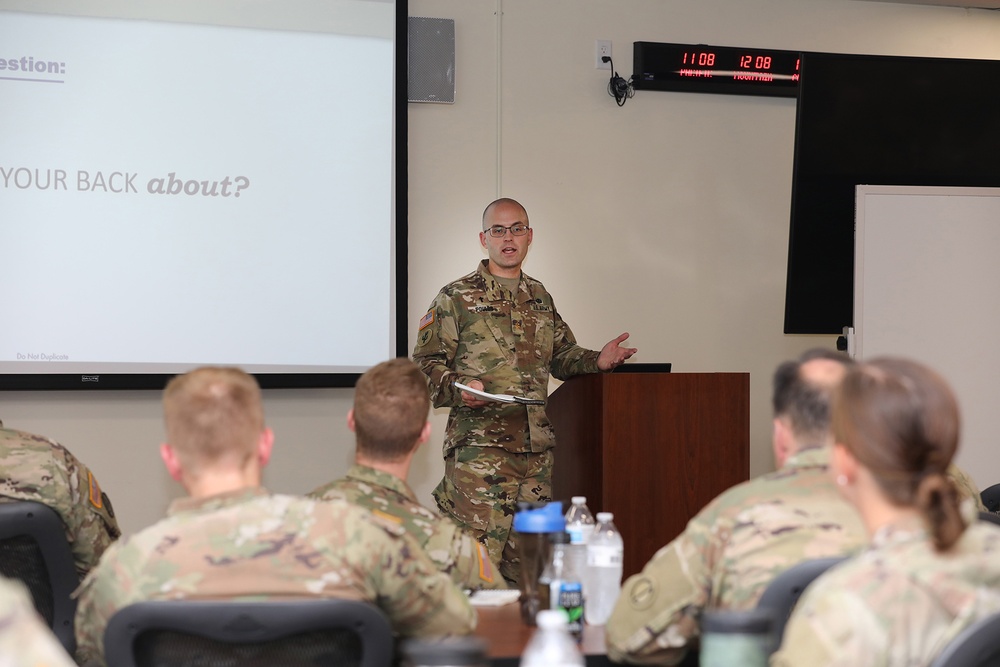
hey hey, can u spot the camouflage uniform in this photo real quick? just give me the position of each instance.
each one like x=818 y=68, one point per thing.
x=728 y=554
x=477 y=329
x=456 y=552
x=24 y=638
x=967 y=488
x=250 y=544
x=897 y=604
x=39 y=469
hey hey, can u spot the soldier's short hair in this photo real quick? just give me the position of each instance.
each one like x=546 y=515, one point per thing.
x=497 y=202
x=391 y=403
x=804 y=401
x=212 y=413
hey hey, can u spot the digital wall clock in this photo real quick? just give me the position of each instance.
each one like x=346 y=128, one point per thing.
x=699 y=68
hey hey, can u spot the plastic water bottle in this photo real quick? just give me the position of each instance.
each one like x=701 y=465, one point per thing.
x=580 y=526
x=562 y=586
x=534 y=525
x=579 y=521
x=551 y=645
x=605 y=553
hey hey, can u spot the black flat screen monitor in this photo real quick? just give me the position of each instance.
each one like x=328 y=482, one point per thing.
x=879 y=120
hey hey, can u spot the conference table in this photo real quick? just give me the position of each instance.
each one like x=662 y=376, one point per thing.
x=506 y=636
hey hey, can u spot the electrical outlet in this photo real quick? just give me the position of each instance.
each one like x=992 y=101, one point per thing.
x=602 y=47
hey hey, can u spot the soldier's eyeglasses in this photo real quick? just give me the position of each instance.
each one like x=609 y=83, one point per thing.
x=499 y=231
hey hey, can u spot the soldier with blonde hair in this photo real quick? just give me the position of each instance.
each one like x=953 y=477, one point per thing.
x=389 y=419
x=497 y=329
x=231 y=538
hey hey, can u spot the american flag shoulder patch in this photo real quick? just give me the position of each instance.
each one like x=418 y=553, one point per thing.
x=426 y=320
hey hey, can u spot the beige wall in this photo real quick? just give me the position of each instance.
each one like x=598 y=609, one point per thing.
x=667 y=217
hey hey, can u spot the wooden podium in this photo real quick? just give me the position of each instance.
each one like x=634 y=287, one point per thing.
x=654 y=448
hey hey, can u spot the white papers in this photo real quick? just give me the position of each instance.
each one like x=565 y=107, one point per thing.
x=494 y=598
x=500 y=398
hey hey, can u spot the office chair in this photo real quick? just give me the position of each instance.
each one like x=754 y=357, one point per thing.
x=782 y=594
x=223 y=633
x=976 y=646
x=991 y=498
x=990 y=517
x=34 y=550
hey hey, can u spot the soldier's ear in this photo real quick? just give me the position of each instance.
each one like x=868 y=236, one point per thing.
x=844 y=468
x=781 y=442
x=264 y=446
x=171 y=461
x=350 y=420
x=425 y=433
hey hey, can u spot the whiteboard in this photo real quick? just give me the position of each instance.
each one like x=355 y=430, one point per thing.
x=927 y=287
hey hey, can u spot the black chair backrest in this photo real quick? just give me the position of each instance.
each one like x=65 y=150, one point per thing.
x=221 y=633
x=990 y=517
x=34 y=550
x=784 y=591
x=991 y=498
x=976 y=646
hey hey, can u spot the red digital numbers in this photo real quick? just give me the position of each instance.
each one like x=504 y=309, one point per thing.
x=755 y=62
x=702 y=59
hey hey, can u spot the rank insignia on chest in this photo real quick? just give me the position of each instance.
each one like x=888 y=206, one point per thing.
x=517 y=325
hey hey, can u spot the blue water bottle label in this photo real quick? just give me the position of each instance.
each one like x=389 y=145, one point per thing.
x=571 y=602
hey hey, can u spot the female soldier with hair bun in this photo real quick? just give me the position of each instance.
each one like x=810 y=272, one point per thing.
x=926 y=574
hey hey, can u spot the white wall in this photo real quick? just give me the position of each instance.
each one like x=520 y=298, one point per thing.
x=667 y=217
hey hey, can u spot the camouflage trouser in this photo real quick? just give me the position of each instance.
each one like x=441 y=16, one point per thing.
x=480 y=491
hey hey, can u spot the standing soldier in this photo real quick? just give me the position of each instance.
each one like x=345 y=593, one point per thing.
x=498 y=330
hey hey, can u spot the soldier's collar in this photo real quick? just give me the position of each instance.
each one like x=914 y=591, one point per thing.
x=190 y=504
x=495 y=291
x=809 y=455
x=369 y=475
x=905 y=529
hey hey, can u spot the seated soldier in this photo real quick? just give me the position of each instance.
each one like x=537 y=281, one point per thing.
x=231 y=538
x=389 y=419
x=39 y=469
x=744 y=538
x=928 y=573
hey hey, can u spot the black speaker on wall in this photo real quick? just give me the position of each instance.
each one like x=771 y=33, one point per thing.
x=430 y=60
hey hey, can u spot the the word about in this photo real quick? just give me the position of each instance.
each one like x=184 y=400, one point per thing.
x=171 y=185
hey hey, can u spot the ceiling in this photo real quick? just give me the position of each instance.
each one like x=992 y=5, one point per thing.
x=977 y=4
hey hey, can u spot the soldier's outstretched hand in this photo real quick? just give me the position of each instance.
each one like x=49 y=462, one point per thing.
x=613 y=354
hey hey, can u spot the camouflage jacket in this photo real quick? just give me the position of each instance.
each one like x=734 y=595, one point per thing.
x=39 y=469
x=251 y=544
x=728 y=554
x=476 y=329
x=456 y=552
x=967 y=490
x=897 y=604
x=24 y=637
